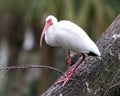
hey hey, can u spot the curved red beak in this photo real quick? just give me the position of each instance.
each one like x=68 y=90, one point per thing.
x=43 y=32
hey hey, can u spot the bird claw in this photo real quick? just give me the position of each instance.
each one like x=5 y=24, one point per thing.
x=66 y=78
x=72 y=71
x=76 y=73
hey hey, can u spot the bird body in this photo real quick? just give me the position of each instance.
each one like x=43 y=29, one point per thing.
x=71 y=37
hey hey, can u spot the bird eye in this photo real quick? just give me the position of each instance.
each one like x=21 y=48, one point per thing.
x=50 y=21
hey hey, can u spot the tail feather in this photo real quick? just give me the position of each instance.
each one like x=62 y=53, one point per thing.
x=92 y=54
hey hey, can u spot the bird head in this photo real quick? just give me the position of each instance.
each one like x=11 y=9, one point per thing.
x=50 y=20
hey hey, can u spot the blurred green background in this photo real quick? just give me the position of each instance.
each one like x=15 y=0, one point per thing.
x=21 y=23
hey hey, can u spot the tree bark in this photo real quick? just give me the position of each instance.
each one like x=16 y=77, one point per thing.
x=96 y=76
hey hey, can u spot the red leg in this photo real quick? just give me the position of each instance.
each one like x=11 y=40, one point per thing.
x=69 y=72
x=83 y=58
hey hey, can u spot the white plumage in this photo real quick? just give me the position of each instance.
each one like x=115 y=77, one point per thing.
x=69 y=36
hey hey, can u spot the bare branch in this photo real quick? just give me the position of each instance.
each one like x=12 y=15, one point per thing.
x=30 y=66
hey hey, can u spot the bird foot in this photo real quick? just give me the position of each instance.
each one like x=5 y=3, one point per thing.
x=76 y=73
x=66 y=78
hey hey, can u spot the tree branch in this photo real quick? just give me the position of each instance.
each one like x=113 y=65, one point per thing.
x=95 y=75
x=30 y=66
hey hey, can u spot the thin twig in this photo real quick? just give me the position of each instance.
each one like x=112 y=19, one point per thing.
x=30 y=66
x=106 y=92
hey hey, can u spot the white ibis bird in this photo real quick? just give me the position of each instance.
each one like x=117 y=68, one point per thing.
x=71 y=37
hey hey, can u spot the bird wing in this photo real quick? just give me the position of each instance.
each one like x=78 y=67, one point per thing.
x=71 y=37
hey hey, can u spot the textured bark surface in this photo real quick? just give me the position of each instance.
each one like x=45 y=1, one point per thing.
x=96 y=76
